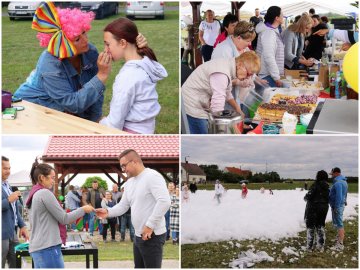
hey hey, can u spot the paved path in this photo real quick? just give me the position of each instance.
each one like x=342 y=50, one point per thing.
x=168 y=264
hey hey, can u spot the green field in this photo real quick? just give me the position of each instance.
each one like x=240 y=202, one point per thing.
x=121 y=251
x=20 y=52
x=220 y=254
x=353 y=187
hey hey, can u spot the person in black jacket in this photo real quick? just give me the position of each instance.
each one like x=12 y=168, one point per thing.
x=316 y=210
x=315 y=43
x=193 y=187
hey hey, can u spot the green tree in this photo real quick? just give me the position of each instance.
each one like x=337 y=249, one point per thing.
x=212 y=172
x=102 y=183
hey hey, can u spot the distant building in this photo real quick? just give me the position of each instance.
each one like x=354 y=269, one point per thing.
x=192 y=172
x=240 y=172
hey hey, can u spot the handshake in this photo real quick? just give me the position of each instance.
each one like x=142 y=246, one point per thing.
x=100 y=212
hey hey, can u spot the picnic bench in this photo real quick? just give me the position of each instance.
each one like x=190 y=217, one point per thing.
x=86 y=248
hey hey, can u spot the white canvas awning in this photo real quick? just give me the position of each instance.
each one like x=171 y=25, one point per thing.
x=20 y=179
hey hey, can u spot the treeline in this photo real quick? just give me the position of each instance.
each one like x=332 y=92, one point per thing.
x=213 y=173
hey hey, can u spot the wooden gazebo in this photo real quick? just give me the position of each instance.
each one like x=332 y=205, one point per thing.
x=235 y=7
x=72 y=155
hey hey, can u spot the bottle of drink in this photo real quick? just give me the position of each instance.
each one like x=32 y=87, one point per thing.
x=324 y=58
x=332 y=85
x=337 y=85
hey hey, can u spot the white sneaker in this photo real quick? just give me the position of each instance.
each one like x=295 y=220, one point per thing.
x=338 y=247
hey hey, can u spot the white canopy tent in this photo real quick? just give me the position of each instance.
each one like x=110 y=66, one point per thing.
x=298 y=8
x=20 y=179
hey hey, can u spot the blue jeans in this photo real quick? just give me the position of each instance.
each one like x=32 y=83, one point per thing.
x=197 y=125
x=86 y=218
x=175 y=235
x=167 y=220
x=48 y=258
x=270 y=80
x=337 y=217
x=91 y=222
x=126 y=221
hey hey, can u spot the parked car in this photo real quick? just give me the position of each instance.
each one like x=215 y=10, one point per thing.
x=144 y=9
x=22 y=9
x=101 y=9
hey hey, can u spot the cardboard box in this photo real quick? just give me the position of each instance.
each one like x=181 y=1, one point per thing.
x=296 y=74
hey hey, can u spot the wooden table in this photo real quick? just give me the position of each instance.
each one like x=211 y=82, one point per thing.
x=86 y=248
x=37 y=119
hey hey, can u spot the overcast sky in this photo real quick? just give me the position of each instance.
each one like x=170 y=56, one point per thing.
x=22 y=151
x=222 y=7
x=291 y=157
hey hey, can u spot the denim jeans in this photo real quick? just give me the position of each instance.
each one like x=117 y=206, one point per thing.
x=91 y=222
x=167 y=220
x=175 y=235
x=48 y=258
x=148 y=254
x=7 y=251
x=337 y=217
x=86 y=218
x=126 y=222
x=197 y=125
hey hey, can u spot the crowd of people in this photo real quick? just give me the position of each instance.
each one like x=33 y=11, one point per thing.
x=144 y=192
x=266 y=49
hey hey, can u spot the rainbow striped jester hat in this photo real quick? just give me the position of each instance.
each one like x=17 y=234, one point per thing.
x=46 y=20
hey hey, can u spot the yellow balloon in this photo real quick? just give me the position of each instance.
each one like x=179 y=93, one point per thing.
x=351 y=67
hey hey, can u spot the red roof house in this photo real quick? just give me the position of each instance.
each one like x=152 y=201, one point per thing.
x=244 y=173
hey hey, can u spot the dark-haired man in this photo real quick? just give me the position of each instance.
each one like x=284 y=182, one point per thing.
x=147 y=195
x=11 y=218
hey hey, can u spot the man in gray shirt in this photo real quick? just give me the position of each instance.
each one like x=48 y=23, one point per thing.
x=148 y=197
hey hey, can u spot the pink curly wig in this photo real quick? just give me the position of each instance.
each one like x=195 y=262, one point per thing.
x=73 y=23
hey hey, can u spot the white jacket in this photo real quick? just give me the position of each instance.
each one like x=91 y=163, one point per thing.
x=134 y=104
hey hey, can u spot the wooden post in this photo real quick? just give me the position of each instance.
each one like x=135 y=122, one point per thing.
x=196 y=19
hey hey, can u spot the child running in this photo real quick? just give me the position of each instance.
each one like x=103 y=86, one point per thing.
x=134 y=103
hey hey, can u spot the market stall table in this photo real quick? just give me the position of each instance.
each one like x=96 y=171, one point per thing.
x=85 y=247
x=36 y=119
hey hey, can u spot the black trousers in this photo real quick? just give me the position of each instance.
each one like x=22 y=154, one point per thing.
x=149 y=253
x=111 y=223
x=206 y=52
x=316 y=215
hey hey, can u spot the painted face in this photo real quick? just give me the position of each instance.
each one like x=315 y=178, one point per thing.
x=241 y=43
x=48 y=180
x=5 y=170
x=114 y=47
x=81 y=43
x=230 y=28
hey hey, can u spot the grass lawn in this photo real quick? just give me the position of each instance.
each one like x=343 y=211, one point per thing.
x=20 y=52
x=353 y=187
x=220 y=254
x=121 y=251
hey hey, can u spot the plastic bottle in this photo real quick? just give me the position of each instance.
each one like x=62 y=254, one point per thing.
x=337 y=85
x=332 y=85
x=324 y=58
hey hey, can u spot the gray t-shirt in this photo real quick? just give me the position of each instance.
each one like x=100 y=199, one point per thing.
x=45 y=216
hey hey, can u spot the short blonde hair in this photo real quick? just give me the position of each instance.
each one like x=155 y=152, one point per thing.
x=245 y=30
x=250 y=60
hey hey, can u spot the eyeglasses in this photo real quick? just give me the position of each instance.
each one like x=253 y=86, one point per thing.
x=123 y=166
